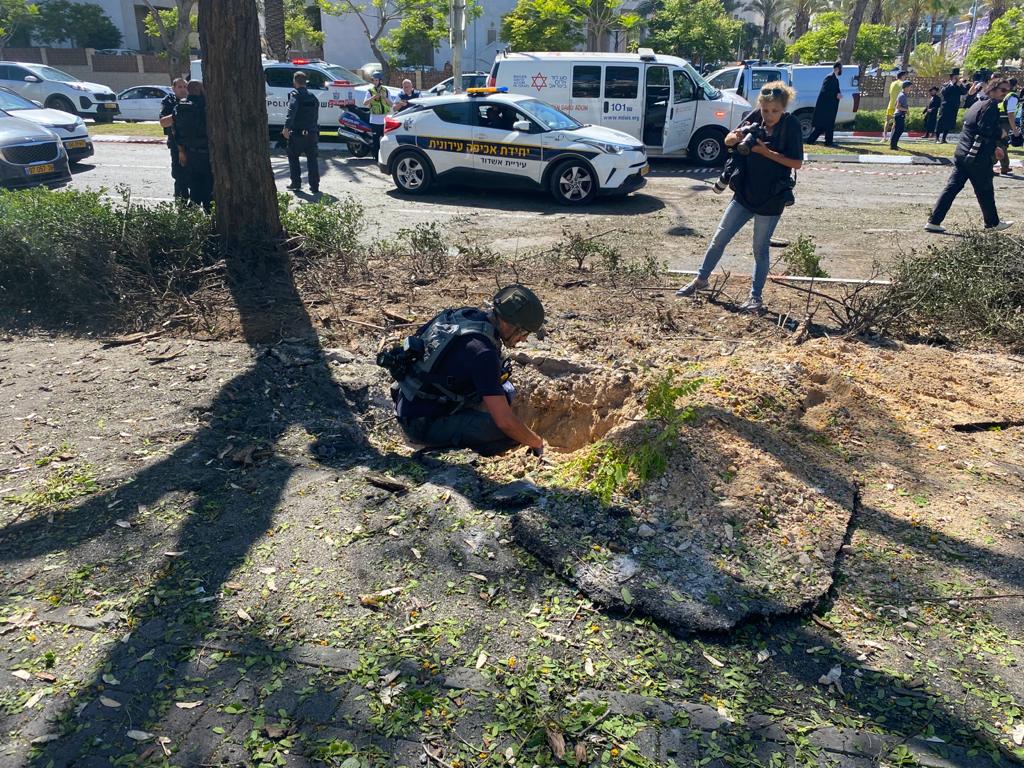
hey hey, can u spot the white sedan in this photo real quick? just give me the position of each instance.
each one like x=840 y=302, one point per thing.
x=499 y=140
x=71 y=128
x=142 y=102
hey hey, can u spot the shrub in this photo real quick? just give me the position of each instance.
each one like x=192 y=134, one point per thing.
x=801 y=258
x=327 y=228
x=873 y=119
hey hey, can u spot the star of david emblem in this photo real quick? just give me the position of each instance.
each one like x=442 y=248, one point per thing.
x=540 y=81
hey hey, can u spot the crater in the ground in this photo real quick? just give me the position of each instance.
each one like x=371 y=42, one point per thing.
x=570 y=404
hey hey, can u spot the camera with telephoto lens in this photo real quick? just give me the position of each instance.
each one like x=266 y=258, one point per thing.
x=752 y=133
x=728 y=170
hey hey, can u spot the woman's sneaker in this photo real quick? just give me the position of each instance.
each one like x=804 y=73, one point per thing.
x=753 y=304
x=697 y=284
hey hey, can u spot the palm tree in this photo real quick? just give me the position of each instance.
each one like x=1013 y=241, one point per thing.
x=801 y=11
x=771 y=13
x=273 y=18
x=856 y=17
x=912 y=10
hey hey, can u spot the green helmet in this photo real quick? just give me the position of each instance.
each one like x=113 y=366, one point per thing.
x=520 y=306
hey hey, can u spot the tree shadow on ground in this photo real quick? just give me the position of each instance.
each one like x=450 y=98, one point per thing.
x=160 y=656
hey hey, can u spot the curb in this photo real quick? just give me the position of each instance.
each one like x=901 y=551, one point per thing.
x=328 y=149
x=890 y=160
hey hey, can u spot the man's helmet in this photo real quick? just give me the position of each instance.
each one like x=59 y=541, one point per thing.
x=520 y=306
x=377 y=76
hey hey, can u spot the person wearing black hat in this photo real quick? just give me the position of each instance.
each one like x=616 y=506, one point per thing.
x=827 y=107
x=452 y=389
x=949 y=95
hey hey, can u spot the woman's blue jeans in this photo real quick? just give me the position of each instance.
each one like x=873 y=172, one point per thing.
x=733 y=219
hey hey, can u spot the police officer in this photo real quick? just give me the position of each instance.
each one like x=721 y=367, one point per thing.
x=302 y=131
x=457 y=395
x=1008 y=123
x=194 y=146
x=378 y=101
x=179 y=91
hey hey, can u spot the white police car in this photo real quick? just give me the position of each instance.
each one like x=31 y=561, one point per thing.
x=490 y=137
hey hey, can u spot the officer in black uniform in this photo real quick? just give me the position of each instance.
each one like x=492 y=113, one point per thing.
x=302 y=131
x=453 y=391
x=194 y=146
x=179 y=91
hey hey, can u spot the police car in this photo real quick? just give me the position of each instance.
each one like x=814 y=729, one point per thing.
x=490 y=137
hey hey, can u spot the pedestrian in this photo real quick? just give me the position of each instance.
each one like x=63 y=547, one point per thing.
x=762 y=183
x=972 y=160
x=194 y=145
x=899 y=124
x=378 y=101
x=1008 y=124
x=895 y=89
x=406 y=96
x=949 y=96
x=827 y=107
x=455 y=392
x=302 y=132
x=974 y=91
x=179 y=91
x=931 y=111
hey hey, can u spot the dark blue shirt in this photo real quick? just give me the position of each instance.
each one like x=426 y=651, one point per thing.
x=473 y=367
x=303 y=111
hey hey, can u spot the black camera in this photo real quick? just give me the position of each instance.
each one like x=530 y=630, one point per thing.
x=399 y=358
x=752 y=134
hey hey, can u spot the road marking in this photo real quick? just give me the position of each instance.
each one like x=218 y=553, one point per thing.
x=157 y=167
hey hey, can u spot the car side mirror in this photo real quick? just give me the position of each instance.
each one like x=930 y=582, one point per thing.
x=32 y=79
x=37 y=103
x=521 y=125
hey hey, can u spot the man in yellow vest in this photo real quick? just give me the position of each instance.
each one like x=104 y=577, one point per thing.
x=378 y=101
x=1008 y=123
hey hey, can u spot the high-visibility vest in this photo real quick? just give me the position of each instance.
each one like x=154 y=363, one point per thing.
x=380 y=102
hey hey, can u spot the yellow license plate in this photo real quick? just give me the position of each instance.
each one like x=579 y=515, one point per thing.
x=645 y=170
x=35 y=170
x=110 y=106
x=76 y=144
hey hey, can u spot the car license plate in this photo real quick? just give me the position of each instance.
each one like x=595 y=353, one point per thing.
x=36 y=170
x=110 y=106
x=76 y=144
x=645 y=170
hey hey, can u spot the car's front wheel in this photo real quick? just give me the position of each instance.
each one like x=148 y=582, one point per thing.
x=707 y=148
x=573 y=183
x=61 y=103
x=412 y=173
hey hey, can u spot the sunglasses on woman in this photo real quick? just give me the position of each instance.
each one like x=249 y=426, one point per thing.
x=766 y=91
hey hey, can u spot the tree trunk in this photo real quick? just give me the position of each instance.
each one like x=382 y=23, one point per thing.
x=945 y=34
x=245 y=195
x=908 y=44
x=876 y=12
x=856 y=17
x=273 y=17
x=996 y=9
x=801 y=22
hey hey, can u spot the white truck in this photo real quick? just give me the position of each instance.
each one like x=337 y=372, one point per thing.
x=747 y=80
x=336 y=87
x=659 y=100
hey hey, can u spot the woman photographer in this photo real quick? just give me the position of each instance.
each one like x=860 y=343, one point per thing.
x=762 y=183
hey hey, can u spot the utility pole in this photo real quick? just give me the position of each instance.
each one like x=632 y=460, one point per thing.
x=457 y=40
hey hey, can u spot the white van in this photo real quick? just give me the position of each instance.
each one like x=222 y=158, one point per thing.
x=335 y=86
x=660 y=100
x=746 y=81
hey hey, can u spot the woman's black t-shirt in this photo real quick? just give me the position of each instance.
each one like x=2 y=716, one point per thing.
x=759 y=188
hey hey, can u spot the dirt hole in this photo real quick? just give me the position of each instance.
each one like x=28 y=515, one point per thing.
x=571 y=404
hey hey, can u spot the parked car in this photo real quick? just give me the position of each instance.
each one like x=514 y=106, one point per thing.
x=70 y=128
x=59 y=90
x=500 y=140
x=142 y=102
x=335 y=86
x=117 y=51
x=30 y=155
x=661 y=101
x=746 y=81
x=469 y=80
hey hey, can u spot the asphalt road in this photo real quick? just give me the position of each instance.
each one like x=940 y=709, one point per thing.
x=856 y=214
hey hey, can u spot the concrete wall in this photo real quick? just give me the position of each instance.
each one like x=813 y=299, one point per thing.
x=116 y=72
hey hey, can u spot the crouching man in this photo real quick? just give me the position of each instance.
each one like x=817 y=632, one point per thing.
x=451 y=388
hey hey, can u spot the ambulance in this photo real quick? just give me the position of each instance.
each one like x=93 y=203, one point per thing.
x=661 y=101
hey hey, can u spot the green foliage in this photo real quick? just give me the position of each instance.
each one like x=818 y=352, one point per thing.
x=875 y=42
x=609 y=469
x=801 y=258
x=700 y=30
x=15 y=17
x=970 y=289
x=542 y=25
x=927 y=61
x=1004 y=40
x=328 y=228
x=298 y=25
x=169 y=17
x=65 y=484
x=84 y=25
x=821 y=43
x=872 y=120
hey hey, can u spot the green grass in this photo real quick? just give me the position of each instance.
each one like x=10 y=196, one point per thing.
x=876 y=147
x=120 y=128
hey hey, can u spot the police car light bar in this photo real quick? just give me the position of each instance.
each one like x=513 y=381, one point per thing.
x=486 y=91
